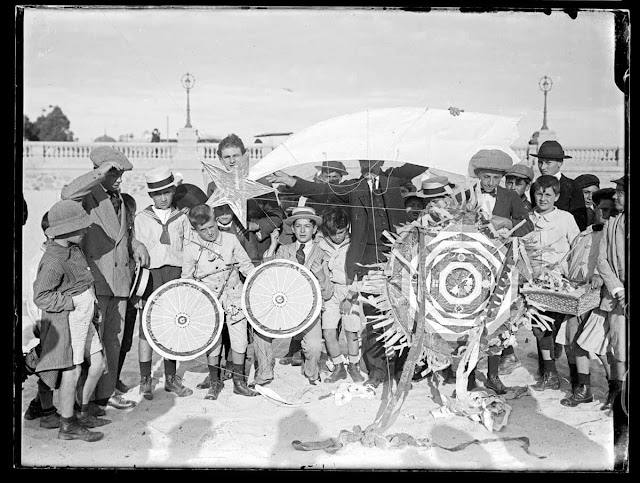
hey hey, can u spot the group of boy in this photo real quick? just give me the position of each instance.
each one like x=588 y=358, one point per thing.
x=84 y=278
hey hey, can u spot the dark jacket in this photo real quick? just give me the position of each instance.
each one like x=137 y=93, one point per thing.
x=355 y=194
x=571 y=200
x=509 y=205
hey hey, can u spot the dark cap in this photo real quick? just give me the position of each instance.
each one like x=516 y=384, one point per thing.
x=622 y=181
x=586 y=180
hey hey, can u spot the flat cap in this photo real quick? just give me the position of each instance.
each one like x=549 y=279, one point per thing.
x=521 y=170
x=102 y=154
x=622 y=181
x=492 y=159
x=586 y=180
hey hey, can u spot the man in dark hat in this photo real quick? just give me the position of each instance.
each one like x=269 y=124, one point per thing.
x=589 y=184
x=332 y=171
x=376 y=205
x=550 y=158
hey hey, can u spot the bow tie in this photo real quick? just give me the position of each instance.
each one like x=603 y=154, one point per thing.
x=490 y=193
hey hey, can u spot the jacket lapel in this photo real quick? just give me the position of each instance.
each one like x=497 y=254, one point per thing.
x=105 y=211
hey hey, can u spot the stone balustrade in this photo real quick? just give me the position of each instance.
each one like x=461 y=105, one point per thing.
x=50 y=165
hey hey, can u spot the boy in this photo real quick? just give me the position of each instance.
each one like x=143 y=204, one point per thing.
x=518 y=179
x=554 y=230
x=64 y=291
x=306 y=252
x=212 y=260
x=42 y=405
x=162 y=228
x=335 y=243
x=505 y=210
x=612 y=269
x=413 y=204
x=589 y=184
x=582 y=266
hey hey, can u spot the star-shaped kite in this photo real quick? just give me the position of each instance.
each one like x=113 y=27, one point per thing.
x=233 y=189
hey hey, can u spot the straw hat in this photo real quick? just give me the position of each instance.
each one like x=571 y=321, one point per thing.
x=140 y=281
x=67 y=216
x=160 y=178
x=551 y=150
x=102 y=154
x=433 y=187
x=303 y=212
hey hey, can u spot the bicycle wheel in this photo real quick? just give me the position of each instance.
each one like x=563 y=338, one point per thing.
x=182 y=319
x=281 y=298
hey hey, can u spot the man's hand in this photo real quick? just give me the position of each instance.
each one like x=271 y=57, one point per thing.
x=107 y=166
x=345 y=306
x=455 y=111
x=499 y=222
x=595 y=281
x=282 y=178
x=318 y=270
x=142 y=255
x=620 y=295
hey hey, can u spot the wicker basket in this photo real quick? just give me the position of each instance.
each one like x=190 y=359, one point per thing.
x=574 y=303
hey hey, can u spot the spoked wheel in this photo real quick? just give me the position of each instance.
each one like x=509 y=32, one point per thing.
x=281 y=298
x=182 y=319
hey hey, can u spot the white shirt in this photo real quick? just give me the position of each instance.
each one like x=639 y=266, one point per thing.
x=373 y=180
x=162 y=214
x=488 y=202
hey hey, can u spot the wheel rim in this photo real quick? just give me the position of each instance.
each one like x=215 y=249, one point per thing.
x=182 y=319
x=281 y=298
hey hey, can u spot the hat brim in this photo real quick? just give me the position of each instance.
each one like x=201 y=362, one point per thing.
x=175 y=183
x=553 y=158
x=432 y=195
x=325 y=168
x=69 y=227
x=517 y=175
x=140 y=282
x=291 y=219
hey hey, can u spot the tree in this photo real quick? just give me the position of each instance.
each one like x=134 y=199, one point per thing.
x=53 y=126
x=29 y=130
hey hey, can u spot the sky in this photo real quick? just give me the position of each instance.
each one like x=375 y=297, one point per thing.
x=119 y=70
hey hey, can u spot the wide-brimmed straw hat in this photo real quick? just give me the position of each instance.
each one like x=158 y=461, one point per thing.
x=551 y=150
x=521 y=170
x=160 y=178
x=102 y=154
x=303 y=212
x=333 y=166
x=492 y=160
x=433 y=187
x=65 y=217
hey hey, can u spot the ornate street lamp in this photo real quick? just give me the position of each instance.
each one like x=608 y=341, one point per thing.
x=188 y=81
x=545 y=85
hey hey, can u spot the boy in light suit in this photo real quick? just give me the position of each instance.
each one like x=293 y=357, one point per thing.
x=305 y=251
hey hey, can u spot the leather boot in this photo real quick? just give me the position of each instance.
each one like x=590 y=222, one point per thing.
x=494 y=383
x=353 y=369
x=297 y=359
x=240 y=386
x=339 y=372
x=145 y=387
x=34 y=411
x=87 y=420
x=50 y=421
x=73 y=430
x=215 y=388
x=549 y=380
x=173 y=383
x=581 y=394
x=227 y=372
x=614 y=390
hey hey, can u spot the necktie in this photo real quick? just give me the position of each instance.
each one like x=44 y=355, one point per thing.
x=490 y=193
x=115 y=201
x=300 y=254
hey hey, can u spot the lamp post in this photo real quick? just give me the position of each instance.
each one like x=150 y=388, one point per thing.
x=188 y=81
x=545 y=85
